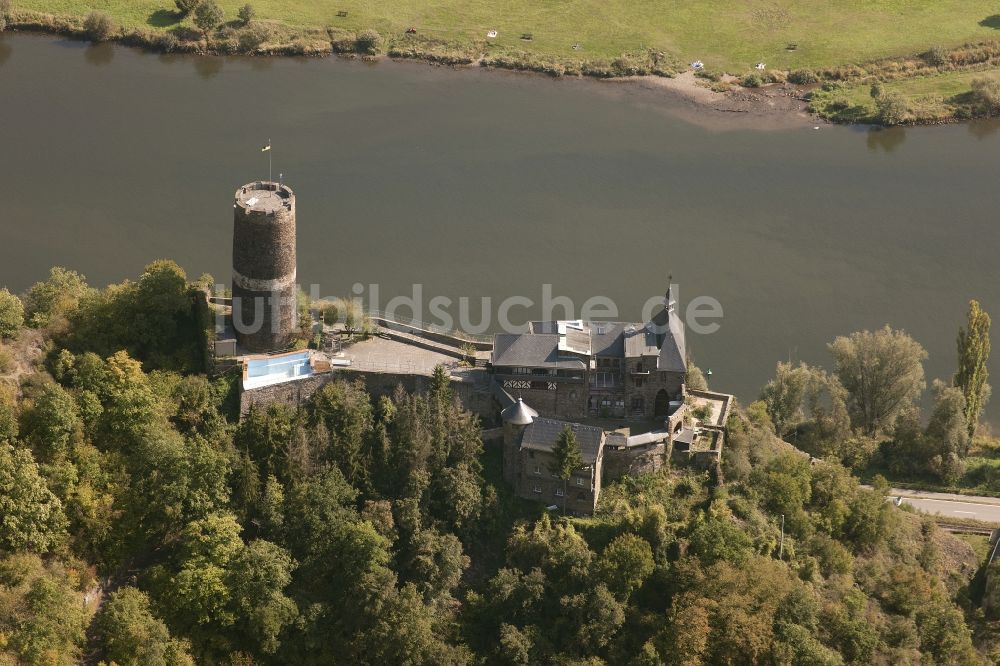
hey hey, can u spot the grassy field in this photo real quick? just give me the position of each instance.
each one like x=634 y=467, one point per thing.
x=725 y=34
x=928 y=97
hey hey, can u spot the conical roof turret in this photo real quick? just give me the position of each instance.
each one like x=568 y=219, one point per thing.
x=519 y=414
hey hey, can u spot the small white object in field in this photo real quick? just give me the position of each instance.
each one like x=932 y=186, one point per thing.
x=760 y=66
x=492 y=34
x=697 y=64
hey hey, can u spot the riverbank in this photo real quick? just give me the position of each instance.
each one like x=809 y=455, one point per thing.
x=938 y=85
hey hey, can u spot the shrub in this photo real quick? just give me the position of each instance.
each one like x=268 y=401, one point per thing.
x=369 y=41
x=186 y=6
x=344 y=44
x=164 y=41
x=246 y=14
x=99 y=26
x=935 y=57
x=208 y=16
x=11 y=314
x=986 y=93
x=891 y=109
x=252 y=37
x=775 y=76
x=7 y=363
x=752 y=80
x=4 y=13
x=802 y=77
x=838 y=104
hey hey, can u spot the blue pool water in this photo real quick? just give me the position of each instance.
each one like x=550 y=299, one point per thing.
x=276 y=369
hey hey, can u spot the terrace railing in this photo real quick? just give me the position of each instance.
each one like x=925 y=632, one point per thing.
x=409 y=322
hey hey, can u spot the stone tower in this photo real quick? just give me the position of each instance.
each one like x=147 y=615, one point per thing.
x=264 y=289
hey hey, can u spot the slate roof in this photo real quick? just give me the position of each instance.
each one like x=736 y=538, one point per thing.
x=519 y=413
x=669 y=330
x=640 y=341
x=532 y=350
x=543 y=434
x=662 y=337
x=612 y=341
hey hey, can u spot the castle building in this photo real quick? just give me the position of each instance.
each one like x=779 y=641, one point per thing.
x=618 y=386
x=580 y=369
x=265 y=314
x=529 y=441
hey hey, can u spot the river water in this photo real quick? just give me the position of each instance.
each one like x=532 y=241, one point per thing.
x=484 y=184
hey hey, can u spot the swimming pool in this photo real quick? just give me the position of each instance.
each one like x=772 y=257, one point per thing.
x=276 y=369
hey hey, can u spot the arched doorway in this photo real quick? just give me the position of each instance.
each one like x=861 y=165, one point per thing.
x=662 y=405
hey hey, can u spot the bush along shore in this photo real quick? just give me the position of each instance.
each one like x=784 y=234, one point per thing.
x=932 y=87
x=270 y=38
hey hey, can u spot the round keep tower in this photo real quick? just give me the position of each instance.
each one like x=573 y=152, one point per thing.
x=265 y=315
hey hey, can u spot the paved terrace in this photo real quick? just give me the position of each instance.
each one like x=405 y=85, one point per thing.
x=381 y=355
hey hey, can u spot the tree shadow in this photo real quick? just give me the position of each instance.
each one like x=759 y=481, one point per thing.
x=981 y=129
x=5 y=51
x=991 y=22
x=162 y=18
x=886 y=139
x=207 y=66
x=99 y=54
x=260 y=64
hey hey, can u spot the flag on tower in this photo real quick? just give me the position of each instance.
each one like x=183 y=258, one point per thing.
x=266 y=148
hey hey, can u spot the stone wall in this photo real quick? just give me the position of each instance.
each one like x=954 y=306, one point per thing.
x=634 y=461
x=568 y=401
x=647 y=386
x=475 y=399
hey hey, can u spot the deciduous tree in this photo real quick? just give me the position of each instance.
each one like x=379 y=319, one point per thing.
x=132 y=635
x=883 y=374
x=31 y=517
x=11 y=314
x=973 y=353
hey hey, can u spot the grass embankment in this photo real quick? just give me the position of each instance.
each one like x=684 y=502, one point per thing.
x=601 y=37
x=981 y=475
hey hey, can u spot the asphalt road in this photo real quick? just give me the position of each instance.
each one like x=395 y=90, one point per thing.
x=948 y=505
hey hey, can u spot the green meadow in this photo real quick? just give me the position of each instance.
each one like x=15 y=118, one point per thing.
x=730 y=35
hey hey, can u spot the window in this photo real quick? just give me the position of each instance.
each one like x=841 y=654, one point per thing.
x=638 y=382
x=521 y=371
x=603 y=379
x=537 y=489
x=559 y=492
x=538 y=469
x=579 y=480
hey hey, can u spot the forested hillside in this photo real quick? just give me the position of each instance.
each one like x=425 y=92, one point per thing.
x=142 y=523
